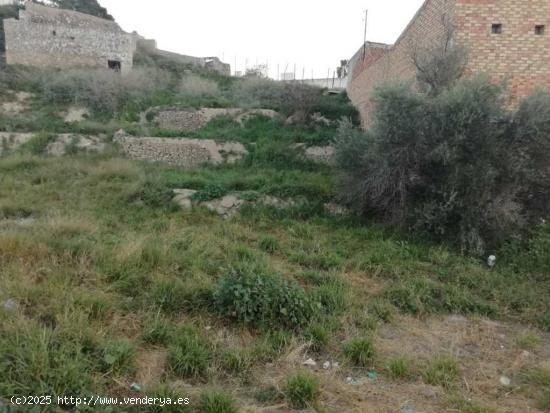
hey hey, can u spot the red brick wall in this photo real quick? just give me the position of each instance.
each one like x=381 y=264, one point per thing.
x=425 y=28
x=517 y=55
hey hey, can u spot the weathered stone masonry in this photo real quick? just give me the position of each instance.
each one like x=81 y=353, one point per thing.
x=519 y=54
x=46 y=36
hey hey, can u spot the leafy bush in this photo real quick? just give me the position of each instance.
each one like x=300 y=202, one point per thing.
x=262 y=300
x=210 y=192
x=360 y=351
x=91 y=7
x=302 y=389
x=336 y=107
x=454 y=164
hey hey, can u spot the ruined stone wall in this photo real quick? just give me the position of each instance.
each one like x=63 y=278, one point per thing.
x=46 y=36
x=190 y=119
x=517 y=55
x=182 y=152
x=383 y=64
x=149 y=47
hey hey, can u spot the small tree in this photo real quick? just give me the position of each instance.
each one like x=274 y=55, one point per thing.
x=299 y=100
x=258 y=71
x=342 y=70
x=441 y=63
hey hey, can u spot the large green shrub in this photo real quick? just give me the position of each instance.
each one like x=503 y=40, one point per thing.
x=455 y=164
x=263 y=300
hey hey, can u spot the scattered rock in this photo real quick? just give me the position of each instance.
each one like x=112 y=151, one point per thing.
x=319 y=118
x=76 y=114
x=10 y=304
x=330 y=365
x=310 y=363
x=505 y=381
x=81 y=142
x=187 y=193
x=429 y=393
x=183 y=197
x=491 y=261
x=11 y=141
x=226 y=206
x=13 y=108
x=232 y=151
x=456 y=318
x=321 y=154
x=23 y=96
x=58 y=147
x=336 y=209
x=17 y=106
x=275 y=202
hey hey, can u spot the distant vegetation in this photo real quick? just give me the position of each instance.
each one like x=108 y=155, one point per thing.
x=83 y=6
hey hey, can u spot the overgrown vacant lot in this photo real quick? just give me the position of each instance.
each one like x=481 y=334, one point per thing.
x=104 y=282
x=108 y=287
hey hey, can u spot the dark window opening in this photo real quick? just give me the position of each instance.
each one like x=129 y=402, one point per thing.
x=539 y=29
x=496 y=28
x=54 y=33
x=72 y=38
x=114 y=65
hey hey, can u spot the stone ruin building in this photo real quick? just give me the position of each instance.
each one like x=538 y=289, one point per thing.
x=51 y=37
x=507 y=39
x=47 y=36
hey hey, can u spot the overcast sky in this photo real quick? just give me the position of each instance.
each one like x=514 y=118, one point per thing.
x=313 y=34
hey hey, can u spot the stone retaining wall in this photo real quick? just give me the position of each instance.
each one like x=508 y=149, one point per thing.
x=181 y=152
x=188 y=119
